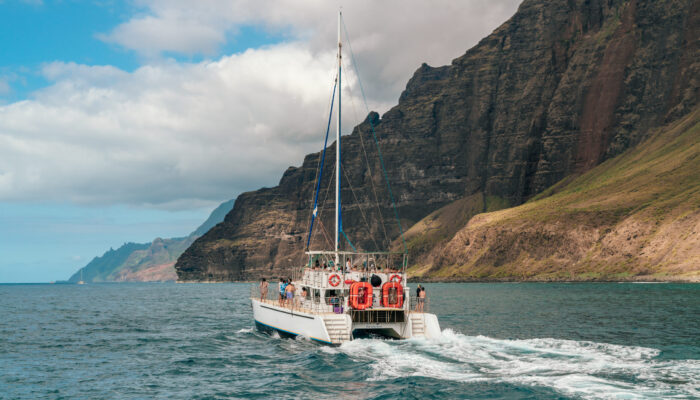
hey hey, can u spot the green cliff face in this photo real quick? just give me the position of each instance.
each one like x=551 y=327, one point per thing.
x=559 y=88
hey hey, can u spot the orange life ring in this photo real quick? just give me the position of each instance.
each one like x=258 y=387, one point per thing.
x=334 y=280
x=395 y=276
x=399 y=295
x=357 y=301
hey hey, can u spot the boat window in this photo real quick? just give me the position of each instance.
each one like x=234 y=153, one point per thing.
x=331 y=296
x=317 y=295
x=308 y=292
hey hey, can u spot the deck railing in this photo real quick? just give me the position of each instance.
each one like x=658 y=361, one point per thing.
x=318 y=305
x=418 y=306
x=308 y=304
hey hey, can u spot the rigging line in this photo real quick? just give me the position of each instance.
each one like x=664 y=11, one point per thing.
x=374 y=135
x=369 y=168
x=359 y=206
x=348 y=239
x=320 y=168
x=319 y=165
x=323 y=205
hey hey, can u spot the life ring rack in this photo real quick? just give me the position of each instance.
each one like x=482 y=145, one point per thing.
x=334 y=280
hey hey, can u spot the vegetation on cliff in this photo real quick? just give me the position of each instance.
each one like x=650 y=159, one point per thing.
x=634 y=217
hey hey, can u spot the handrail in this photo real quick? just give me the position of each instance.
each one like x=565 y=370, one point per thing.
x=313 y=304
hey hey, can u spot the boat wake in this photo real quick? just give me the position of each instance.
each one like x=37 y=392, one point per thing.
x=575 y=368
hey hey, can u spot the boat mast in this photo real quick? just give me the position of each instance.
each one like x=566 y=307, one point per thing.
x=337 y=153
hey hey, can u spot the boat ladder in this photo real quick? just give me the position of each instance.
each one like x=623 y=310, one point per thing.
x=417 y=324
x=337 y=327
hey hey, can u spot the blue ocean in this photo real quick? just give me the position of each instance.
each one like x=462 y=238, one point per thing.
x=197 y=341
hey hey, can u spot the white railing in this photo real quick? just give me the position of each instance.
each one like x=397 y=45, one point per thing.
x=315 y=303
x=309 y=304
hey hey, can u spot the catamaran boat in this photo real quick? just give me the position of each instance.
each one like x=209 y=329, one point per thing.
x=343 y=295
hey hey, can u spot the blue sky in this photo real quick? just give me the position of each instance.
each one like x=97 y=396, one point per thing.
x=123 y=121
x=46 y=241
x=36 y=32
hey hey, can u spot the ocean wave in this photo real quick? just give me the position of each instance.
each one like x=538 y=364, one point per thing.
x=576 y=368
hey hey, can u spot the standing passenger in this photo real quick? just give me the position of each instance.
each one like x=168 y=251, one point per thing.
x=290 y=294
x=421 y=299
x=283 y=292
x=263 y=289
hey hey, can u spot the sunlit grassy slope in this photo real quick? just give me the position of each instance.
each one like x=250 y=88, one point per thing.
x=634 y=217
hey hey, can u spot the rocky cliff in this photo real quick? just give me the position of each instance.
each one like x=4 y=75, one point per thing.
x=557 y=89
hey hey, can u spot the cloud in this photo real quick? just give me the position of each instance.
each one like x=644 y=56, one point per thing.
x=165 y=132
x=177 y=135
x=391 y=38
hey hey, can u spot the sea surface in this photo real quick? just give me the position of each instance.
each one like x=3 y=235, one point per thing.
x=197 y=341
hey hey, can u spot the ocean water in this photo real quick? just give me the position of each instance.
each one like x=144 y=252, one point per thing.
x=197 y=341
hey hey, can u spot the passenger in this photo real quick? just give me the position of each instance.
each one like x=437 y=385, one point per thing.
x=283 y=292
x=421 y=299
x=290 y=294
x=318 y=265
x=325 y=266
x=263 y=289
x=348 y=265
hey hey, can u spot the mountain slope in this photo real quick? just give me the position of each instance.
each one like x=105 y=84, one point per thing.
x=560 y=87
x=636 y=216
x=215 y=217
x=146 y=262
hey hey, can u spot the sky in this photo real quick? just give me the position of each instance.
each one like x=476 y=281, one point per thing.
x=123 y=121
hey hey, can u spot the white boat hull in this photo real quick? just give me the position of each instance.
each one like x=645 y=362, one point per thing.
x=330 y=328
x=289 y=323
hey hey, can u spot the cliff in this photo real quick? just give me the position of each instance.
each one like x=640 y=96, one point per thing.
x=146 y=262
x=634 y=217
x=559 y=88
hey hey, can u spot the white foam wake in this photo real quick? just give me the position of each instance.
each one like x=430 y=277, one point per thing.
x=585 y=369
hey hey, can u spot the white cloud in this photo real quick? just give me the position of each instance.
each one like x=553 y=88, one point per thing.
x=391 y=37
x=175 y=134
